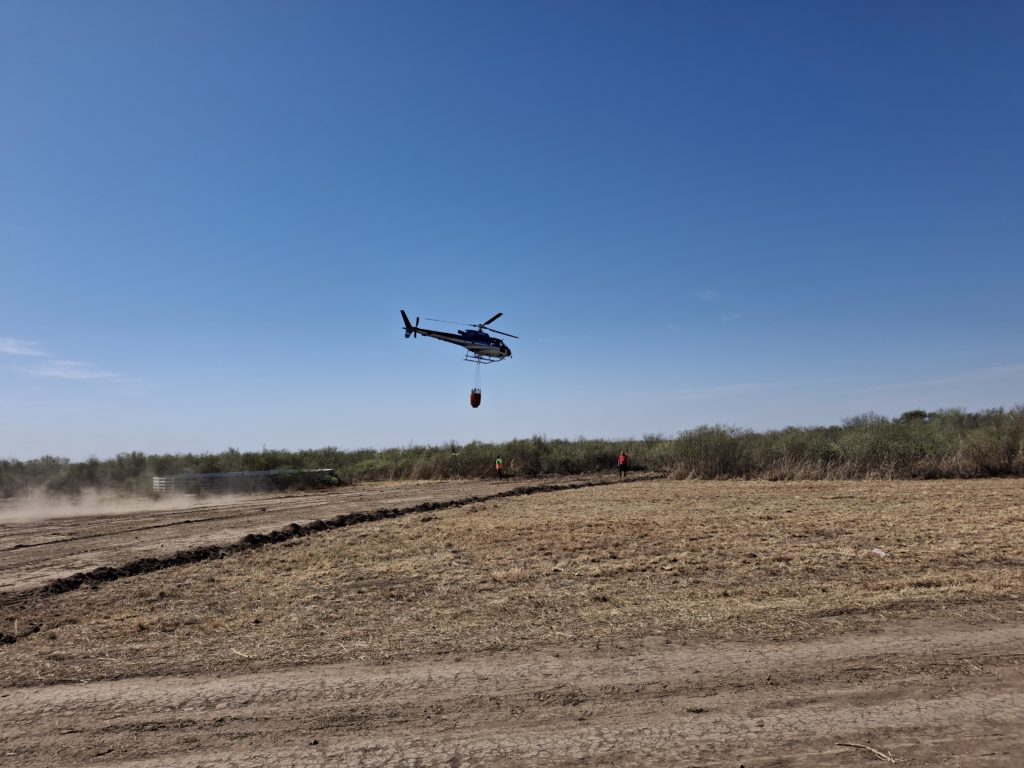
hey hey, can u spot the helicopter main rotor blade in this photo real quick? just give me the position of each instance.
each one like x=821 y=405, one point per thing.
x=481 y=326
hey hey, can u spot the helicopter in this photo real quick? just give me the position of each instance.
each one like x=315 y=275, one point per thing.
x=481 y=347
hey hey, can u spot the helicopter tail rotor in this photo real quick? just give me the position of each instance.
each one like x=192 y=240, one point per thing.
x=410 y=329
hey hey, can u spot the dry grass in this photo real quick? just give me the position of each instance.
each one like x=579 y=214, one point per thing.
x=693 y=560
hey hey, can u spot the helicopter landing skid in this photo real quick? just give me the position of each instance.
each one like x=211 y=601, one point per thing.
x=472 y=358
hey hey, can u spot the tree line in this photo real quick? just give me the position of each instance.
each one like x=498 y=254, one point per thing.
x=917 y=444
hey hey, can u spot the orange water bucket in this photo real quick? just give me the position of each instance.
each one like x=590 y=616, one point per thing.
x=474 y=398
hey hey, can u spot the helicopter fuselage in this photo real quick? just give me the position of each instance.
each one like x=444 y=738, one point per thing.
x=480 y=346
x=477 y=342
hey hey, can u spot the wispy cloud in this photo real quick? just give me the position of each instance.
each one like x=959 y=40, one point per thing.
x=68 y=369
x=9 y=346
x=708 y=393
x=983 y=374
x=43 y=366
x=711 y=296
x=739 y=388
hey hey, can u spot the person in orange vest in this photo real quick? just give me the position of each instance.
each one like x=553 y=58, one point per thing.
x=623 y=462
x=499 y=467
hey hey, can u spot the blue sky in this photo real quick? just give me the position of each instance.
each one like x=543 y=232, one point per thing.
x=754 y=214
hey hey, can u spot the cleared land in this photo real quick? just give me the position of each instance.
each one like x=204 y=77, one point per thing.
x=649 y=623
x=42 y=540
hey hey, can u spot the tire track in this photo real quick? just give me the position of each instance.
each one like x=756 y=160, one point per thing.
x=936 y=694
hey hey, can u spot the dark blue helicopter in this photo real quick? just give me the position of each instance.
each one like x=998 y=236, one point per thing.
x=480 y=347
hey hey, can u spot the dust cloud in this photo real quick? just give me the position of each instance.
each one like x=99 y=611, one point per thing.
x=42 y=506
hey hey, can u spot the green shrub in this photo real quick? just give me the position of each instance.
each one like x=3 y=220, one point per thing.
x=918 y=444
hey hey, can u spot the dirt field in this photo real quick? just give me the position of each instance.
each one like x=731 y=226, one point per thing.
x=643 y=623
x=40 y=542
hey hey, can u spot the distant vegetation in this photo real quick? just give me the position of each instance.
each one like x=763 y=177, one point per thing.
x=918 y=444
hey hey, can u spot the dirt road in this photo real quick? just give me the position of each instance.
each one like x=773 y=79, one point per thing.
x=926 y=693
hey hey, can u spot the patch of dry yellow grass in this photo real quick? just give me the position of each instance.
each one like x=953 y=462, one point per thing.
x=694 y=560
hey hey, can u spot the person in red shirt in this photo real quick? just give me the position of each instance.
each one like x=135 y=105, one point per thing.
x=623 y=463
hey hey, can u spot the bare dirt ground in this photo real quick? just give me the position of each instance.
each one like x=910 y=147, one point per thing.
x=648 y=623
x=36 y=546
